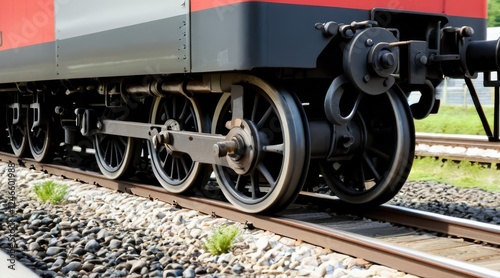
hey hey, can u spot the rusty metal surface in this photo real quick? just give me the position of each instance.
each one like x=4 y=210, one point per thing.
x=313 y=228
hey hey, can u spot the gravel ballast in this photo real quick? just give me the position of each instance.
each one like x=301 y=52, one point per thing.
x=97 y=232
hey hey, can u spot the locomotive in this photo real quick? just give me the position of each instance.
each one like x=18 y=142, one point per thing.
x=266 y=95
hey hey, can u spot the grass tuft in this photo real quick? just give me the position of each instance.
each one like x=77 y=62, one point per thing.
x=221 y=240
x=50 y=191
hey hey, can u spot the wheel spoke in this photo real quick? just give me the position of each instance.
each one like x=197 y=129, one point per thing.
x=189 y=118
x=379 y=153
x=372 y=168
x=164 y=161
x=185 y=109
x=255 y=184
x=108 y=150
x=267 y=175
x=120 y=151
x=185 y=167
x=274 y=148
x=172 y=168
x=359 y=178
x=265 y=117
x=254 y=108
x=174 y=107
x=122 y=140
x=166 y=112
x=239 y=185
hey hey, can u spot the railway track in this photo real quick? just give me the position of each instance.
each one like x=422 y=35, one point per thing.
x=385 y=236
x=458 y=147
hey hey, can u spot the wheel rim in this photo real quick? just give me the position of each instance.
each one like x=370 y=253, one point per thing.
x=382 y=161
x=17 y=133
x=115 y=155
x=176 y=172
x=277 y=173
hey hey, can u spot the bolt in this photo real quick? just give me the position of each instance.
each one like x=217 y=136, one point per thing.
x=99 y=125
x=387 y=82
x=369 y=42
x=366 y=78
x=224 y=148
x=347 y=141
x=387 y=60
x=59 y=110
x=423 y=60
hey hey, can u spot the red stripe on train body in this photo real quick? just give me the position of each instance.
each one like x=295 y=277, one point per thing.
x=26 y=22
x=450 y=7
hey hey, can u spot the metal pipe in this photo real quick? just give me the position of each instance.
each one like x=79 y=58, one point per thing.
x=159 y=88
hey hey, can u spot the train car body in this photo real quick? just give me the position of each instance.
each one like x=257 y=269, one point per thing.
x=265 y=94
x=47 y=39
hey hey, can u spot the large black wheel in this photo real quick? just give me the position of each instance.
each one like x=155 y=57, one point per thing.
x=116 y=156
x=175 y=171
x=17 y=130
x=377 y=167
x=276 y=161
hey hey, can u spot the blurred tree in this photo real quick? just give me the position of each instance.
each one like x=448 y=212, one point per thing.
x=493 y=13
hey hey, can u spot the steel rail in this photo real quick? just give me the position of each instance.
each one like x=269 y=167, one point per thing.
x=471 y=144
x=459 y=140
x=444 y=224
x=404 y=259
x=464 y=228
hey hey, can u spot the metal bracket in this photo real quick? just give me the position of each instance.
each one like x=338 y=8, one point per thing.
x=86 y=121
x=16 y=113
x=340 y=86
x=496 y=122
x=480 y=111
x=37 y=114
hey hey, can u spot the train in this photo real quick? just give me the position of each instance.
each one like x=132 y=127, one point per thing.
x=267 y=96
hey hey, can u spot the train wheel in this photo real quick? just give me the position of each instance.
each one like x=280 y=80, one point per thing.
x=279 y=159
x=116 y=155
x=377 y=169
x=17 y=131
x=39 y=136
x=176 y=172
x=39 y=139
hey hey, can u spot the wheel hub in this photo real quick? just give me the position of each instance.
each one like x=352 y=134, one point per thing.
x=171 y=124
x=240 y=147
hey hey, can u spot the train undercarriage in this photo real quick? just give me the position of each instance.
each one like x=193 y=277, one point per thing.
x=263 y=136
x=258 y=139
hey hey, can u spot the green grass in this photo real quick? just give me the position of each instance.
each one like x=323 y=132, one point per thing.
x=50 y=191
x=221 y=240
x=464 y=174
x=455 y=120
